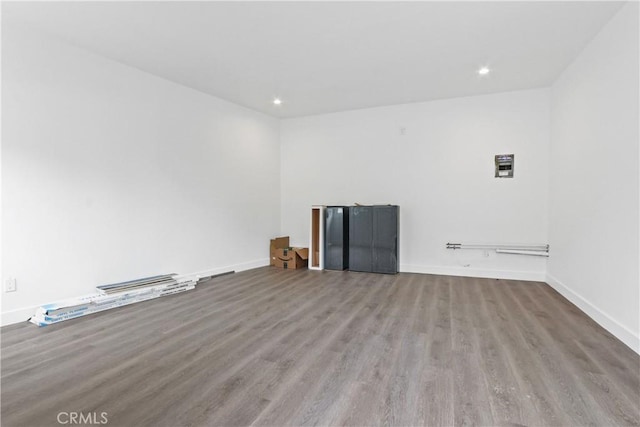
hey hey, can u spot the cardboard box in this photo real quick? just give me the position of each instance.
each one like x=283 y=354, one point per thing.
x=290 y=258
x=284 y=256
x=277 y=243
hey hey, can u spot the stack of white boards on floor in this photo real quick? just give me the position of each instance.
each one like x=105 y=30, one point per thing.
x=112 y=296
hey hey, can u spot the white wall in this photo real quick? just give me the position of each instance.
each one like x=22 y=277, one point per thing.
x=440 y=172
x=109 y=174
x=594 y=179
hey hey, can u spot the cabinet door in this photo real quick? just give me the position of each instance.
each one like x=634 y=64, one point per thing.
x=385 y=239
x=335 y=237
x=360 y=238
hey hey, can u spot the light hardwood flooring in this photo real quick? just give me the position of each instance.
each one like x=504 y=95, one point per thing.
x=284 y=347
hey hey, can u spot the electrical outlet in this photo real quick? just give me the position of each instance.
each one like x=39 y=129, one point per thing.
x=10 y=285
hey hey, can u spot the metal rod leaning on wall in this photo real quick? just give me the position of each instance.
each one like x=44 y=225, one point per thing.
x=519 y=252
x=537 y=250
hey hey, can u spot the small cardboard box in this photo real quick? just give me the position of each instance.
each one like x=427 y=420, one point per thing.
x=277 y=243
x=291 y=258
x=284 y=256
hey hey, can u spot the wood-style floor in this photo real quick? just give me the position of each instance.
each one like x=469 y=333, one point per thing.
x=285 y=347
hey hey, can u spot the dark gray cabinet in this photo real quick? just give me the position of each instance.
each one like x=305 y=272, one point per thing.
x=373 y=239
x=336 y=237
x=361 y=238
x=385 y=239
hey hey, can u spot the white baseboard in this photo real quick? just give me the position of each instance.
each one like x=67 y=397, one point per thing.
x=620 y=331
x=263 y=262
x=23 y=314
x=531 y=276
x=18 y=315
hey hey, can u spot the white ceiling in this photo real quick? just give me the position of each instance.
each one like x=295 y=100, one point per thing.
x=323 y=57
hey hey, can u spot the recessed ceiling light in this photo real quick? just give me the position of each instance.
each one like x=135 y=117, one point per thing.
x=484 y=71
x=277 y=101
